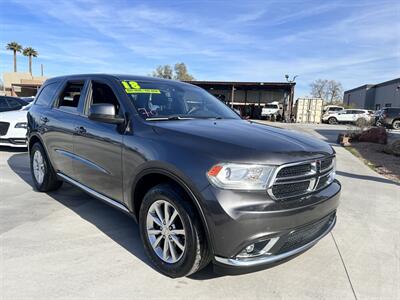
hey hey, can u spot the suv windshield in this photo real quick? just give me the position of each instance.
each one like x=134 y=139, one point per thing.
x=170 y=100
x=271 y=106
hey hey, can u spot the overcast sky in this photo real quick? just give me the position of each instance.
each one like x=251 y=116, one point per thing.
x=354 y=42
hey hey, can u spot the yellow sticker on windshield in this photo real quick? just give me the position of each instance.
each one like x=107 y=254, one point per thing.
x=142 y=91
x=132 y=87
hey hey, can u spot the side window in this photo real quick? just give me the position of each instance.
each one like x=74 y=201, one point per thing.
x=12 y=103
x=69 y=98
x=103 y=94
x=3 y=103
x=349 y=112
x=46 y=96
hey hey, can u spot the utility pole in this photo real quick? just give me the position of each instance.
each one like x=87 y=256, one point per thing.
x=232 y=95
x=290 y=96
x=41 y=68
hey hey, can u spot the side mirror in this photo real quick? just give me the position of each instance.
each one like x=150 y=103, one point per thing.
x=104 y=113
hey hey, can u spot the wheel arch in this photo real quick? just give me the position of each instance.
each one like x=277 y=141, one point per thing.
x=151 y=177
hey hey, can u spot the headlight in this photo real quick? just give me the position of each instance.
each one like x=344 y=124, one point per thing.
x=332 y=174
x=21 y=125
x=240 y=176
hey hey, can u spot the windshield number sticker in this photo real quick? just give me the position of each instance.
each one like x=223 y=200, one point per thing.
x=132 y=87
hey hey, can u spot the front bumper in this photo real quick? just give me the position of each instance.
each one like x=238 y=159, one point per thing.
x=13 y=142
x=283 y=251
x=239 y=219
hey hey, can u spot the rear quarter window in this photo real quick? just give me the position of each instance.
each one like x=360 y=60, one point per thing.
x=47 y=94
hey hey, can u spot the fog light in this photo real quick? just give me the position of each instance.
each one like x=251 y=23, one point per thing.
x=250 y=248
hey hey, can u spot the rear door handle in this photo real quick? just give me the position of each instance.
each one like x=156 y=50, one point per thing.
x=44 y=119
x=80 y=130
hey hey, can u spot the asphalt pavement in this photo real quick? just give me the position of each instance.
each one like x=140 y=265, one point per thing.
x=68 y=245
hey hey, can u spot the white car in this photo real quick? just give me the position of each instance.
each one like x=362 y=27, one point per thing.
x=331 y=109
x=347 y=116
x=13 y=125
x=271 y=109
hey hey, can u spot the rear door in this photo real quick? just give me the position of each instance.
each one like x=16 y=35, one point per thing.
x=57 y=124
x=98 y=145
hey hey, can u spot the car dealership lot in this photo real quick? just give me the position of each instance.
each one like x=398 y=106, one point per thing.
x=67 y=244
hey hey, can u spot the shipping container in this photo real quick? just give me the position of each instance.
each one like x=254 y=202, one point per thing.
x=308 y=110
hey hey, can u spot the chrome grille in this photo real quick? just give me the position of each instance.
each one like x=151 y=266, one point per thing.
x=4 y=128
x=298 y=179
x=294 y=171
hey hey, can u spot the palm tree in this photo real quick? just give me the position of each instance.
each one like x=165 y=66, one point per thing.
x=15 y=47
x=30 y=52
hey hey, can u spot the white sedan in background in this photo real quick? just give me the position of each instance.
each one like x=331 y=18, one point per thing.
x=348 y=116
x=13 y=125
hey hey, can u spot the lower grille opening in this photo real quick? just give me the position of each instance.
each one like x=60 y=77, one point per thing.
x=306 y=234
x=4 y=128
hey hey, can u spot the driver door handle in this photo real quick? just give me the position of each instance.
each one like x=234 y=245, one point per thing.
x=80 y=130
x=44 y=120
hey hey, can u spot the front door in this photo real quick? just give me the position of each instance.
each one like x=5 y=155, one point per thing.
x=98 y=146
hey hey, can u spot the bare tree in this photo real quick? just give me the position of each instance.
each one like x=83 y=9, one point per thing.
x=335 y=91
x=329 y=90
x=179 y=72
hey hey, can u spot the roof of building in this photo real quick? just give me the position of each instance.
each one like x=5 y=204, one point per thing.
x=241 y=83
x=368 y=86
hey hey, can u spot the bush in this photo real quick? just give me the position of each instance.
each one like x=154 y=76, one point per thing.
x=393 y=148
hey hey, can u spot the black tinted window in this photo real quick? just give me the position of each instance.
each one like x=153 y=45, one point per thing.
x=71 y=94
x=13 y=103
x=3 y=103
x=46 y=96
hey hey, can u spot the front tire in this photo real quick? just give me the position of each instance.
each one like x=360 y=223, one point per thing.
x=171 y=233
x=396 y=124
x=43 y=175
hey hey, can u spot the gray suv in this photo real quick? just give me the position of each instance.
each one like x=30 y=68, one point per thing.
x=203 y=184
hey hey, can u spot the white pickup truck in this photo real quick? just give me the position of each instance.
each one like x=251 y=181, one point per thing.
x=272 y=110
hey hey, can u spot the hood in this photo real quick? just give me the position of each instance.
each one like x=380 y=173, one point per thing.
x=242 y=141
x=14 y=116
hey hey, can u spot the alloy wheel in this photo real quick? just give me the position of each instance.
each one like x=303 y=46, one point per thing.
x=165 y=231
x=38 y=167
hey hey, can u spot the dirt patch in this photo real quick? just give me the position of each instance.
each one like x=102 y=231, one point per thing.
x=373 y=156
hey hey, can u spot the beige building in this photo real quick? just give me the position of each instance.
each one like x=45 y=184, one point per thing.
x=21 y=84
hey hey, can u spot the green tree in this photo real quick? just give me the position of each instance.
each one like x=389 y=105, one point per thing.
x=178 y=72
x=181 y=72
x=163 y=72
x=15 y=47
x=30 y=52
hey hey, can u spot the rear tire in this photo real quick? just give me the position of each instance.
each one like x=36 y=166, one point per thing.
x=191 y=252
x=332 y=121
x=44 y=177
x=396 y=124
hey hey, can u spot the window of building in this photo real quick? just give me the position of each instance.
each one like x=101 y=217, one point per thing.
x=377 y=107
x=388 y=105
